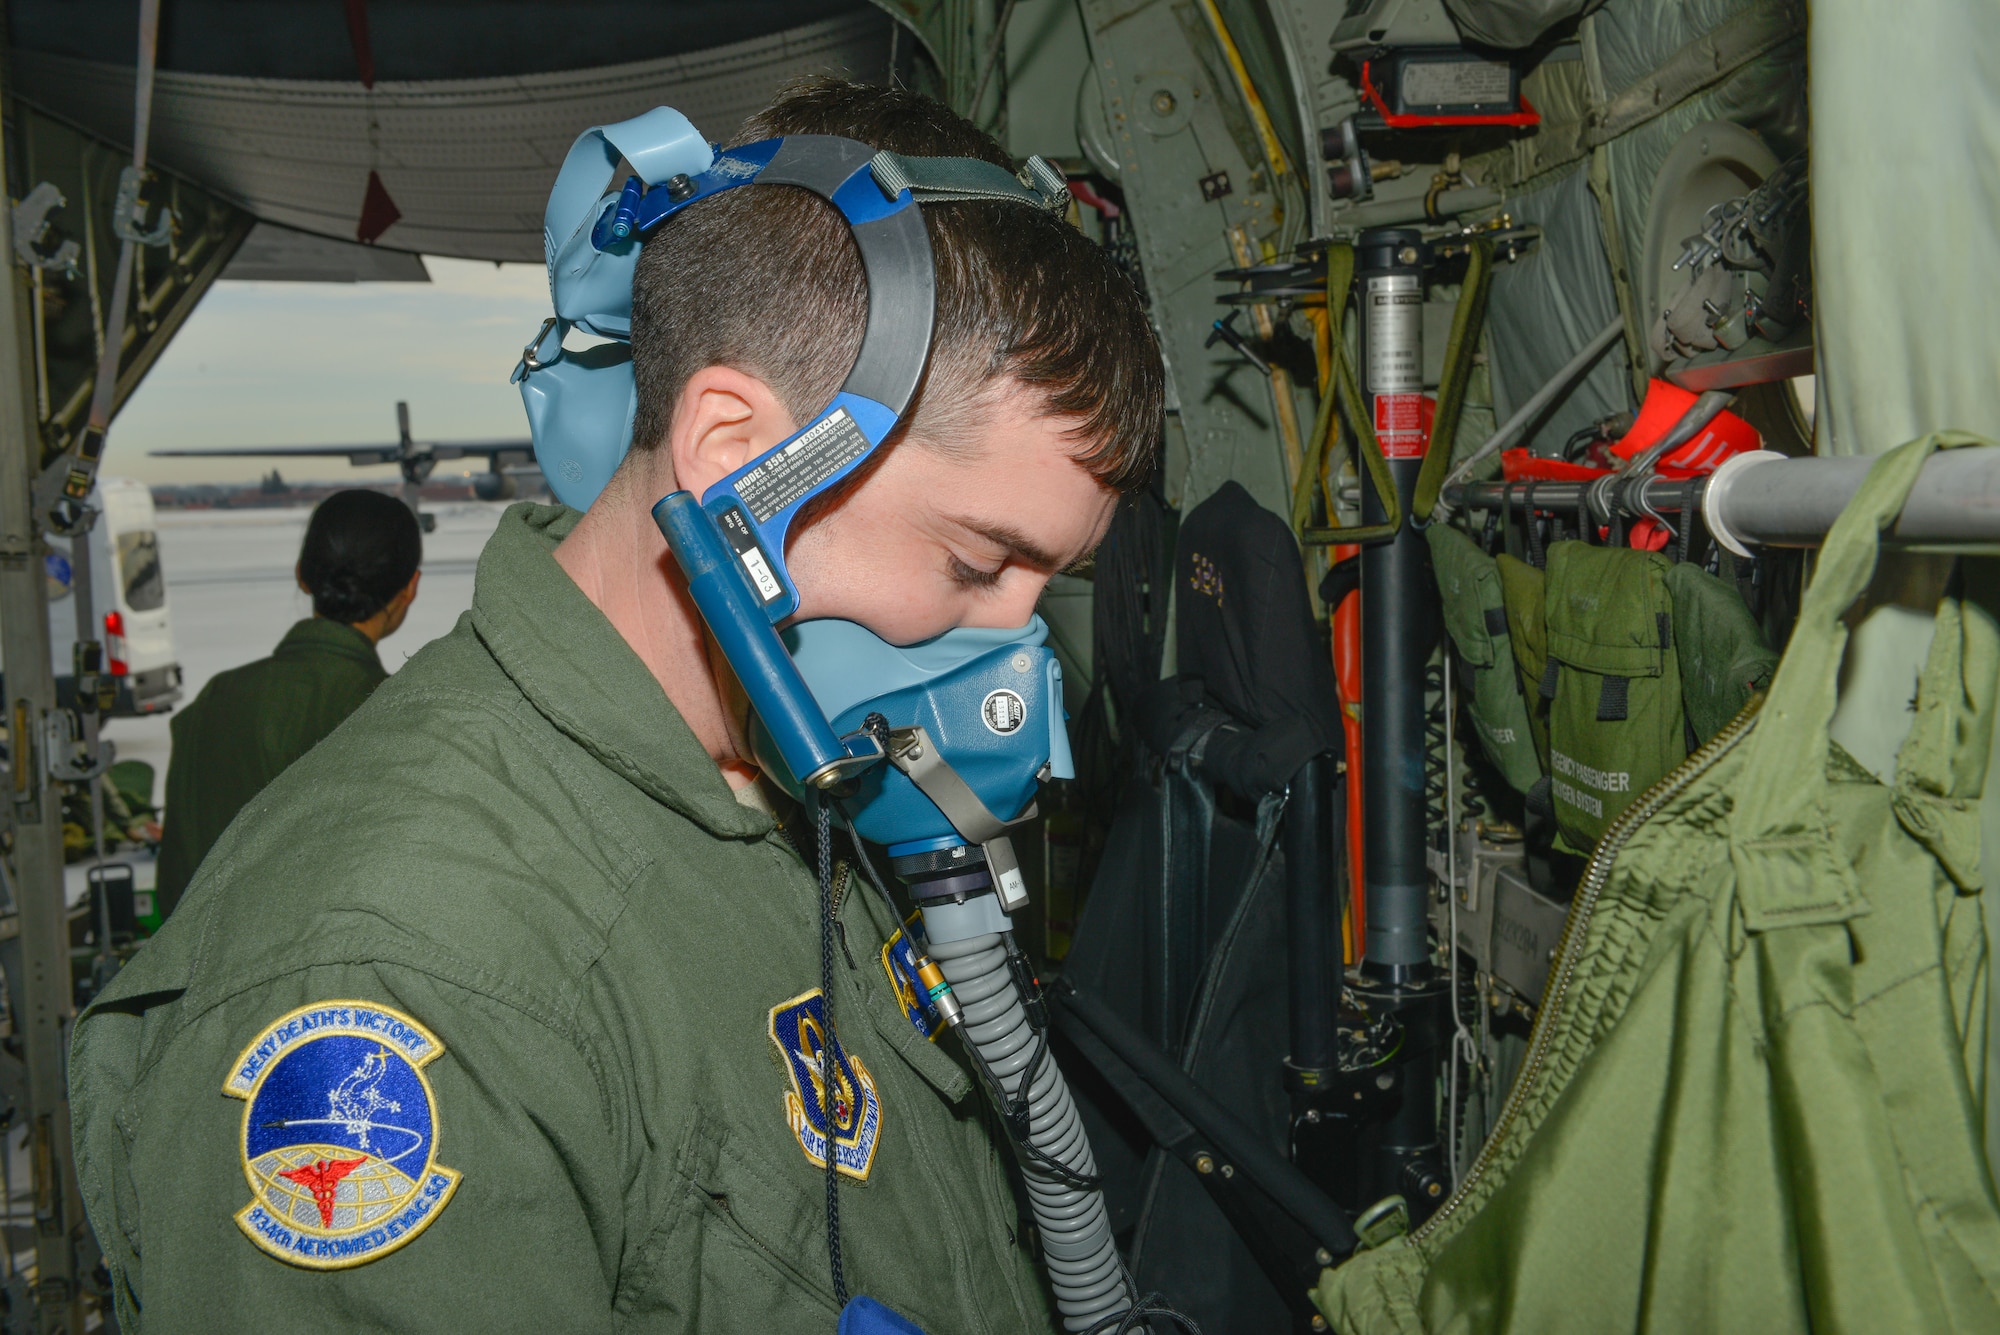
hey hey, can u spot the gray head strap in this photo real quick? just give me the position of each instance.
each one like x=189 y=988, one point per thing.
x=936 y=180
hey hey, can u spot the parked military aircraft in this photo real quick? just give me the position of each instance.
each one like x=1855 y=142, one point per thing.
x=507 y=461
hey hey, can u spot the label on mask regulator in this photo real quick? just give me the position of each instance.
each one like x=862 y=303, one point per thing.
x=788 y=475
x=1003 y=712
x=742 y=540
x=1403 y=424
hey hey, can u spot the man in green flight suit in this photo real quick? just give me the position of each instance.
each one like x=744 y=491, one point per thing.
x=359 y=563
x=524 y=941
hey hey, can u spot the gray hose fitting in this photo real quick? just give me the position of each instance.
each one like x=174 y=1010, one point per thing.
x=1077 y=1248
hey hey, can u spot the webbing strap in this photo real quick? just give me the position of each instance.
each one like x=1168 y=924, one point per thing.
x=912 y=751
x=937 y=180
x=1466 y=320
x=1344 y=390
x=127 y=217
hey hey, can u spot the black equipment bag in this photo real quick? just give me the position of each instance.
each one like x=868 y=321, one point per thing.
x=1184 y=932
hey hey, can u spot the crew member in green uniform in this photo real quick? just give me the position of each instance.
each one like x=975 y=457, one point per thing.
x=359 y=562
x=492 y=1014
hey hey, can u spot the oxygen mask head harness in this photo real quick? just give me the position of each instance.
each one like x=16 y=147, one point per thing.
x=936 y=747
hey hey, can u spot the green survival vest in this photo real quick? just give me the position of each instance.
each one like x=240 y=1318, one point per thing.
x=1753 y=1097
x=1721 y=650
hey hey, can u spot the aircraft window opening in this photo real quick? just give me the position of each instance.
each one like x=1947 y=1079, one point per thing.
x=139 y=570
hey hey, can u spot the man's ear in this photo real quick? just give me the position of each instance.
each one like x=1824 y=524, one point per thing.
x=723 y=420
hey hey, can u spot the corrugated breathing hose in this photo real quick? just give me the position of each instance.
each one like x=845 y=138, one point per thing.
x=1082 y=1260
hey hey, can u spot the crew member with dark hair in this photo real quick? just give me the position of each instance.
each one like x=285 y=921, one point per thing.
x=359 y=562
x=498 y=1016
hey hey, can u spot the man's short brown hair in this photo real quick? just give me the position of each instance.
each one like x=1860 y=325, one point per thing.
x=766 y=279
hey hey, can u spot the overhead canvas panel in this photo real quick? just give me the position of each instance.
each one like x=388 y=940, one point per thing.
x=1549 y=305
x=407 y=39
x=467 y=162
x=1512 y=23
x=280 y=254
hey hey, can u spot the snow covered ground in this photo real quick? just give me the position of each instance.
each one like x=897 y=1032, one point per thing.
x=233 y=595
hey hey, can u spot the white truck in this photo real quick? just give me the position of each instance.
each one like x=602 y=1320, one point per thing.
x=129 y=601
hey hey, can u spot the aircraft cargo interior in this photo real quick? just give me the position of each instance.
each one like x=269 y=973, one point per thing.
x=1231 y=666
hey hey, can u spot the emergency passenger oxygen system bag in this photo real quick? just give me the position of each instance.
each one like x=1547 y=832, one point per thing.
x=1475 y=615
x=1614 y=685
x=1753 y=1097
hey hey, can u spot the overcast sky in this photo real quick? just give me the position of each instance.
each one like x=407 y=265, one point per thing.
x=313 y=363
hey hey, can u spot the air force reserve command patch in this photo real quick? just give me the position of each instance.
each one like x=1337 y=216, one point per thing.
x=340 y=1134
x=799 y=1029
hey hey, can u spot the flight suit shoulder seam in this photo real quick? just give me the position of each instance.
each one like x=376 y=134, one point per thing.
x=633 y=855
x=465 y=977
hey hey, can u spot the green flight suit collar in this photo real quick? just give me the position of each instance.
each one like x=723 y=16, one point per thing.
x=318 y=635
x=575 y=668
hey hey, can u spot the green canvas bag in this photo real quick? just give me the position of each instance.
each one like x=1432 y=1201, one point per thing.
x=1752 y=1098
x=1475 y=615
x=1521 y=587
x=1723 y=658
x=1615 y=720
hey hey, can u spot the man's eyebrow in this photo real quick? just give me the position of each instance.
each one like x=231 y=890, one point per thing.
x=1017 y=544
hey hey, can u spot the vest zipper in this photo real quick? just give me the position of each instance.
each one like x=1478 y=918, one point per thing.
x=843 y=876
x=1569 y=949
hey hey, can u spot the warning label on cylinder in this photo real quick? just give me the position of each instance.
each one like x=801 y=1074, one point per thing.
x=1403 y=424
x=1394 y=334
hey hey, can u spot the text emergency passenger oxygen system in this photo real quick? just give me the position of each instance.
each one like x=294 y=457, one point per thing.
x=932 y=749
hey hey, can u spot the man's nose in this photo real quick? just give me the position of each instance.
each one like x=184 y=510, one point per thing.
x=1011 y=605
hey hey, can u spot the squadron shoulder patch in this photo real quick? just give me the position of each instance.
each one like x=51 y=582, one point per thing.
x=340 y=1133
x=899 y=961
x=798 y=1027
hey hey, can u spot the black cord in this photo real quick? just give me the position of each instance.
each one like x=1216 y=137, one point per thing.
x=822 y=812
x=1138 y=1317
x=868 y=870
x=1014 y=1111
